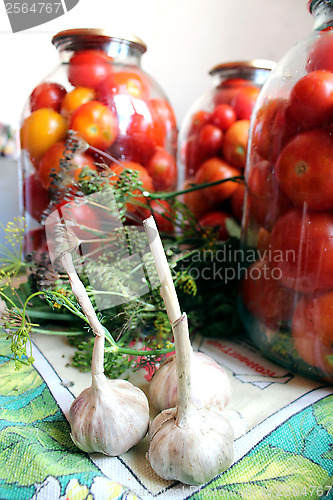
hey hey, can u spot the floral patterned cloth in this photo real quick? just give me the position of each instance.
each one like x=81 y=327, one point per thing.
x=287 y=451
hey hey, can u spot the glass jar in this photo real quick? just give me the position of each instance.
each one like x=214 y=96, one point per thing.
x=287 y=234
x=124 y=117
x=212 y=141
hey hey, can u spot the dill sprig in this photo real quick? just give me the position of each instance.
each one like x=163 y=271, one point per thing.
x=138 y=329
x=11 y=253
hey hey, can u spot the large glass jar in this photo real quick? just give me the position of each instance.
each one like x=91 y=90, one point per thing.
x=212 y=141
x=100 y=91
x=287 y=291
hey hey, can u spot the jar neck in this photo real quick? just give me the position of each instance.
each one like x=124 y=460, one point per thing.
x=322 y=11
x=120 y=50
x=254 y=75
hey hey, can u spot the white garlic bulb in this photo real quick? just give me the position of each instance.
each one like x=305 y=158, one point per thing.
x=193 y=450
x=189 y=444
x=210 y=385
x=109 y=417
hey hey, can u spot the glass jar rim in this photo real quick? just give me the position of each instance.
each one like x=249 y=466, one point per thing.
x=313 y=3
x=73 y=39
x=253 y=64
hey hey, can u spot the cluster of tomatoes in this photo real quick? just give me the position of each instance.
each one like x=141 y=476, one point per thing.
x=290 y=209
x=117 y=110
x=214 y=149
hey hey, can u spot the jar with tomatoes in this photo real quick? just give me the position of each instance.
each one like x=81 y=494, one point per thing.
x=212 y=142
x=100 y=92
x=286 y=298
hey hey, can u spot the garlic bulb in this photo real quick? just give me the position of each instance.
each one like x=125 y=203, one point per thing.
x=210 y=384
x=110 y=416
x=189 y=444
x=193 y=450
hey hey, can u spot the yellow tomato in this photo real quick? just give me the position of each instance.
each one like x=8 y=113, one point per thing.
x=41 y=130
x=75 y=98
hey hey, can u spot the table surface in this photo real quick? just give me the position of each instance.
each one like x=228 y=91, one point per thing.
x=285 y=452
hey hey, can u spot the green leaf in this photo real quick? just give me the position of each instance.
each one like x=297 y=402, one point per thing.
x=269 y=472
x=17 y=382
x=39 y=408
x=5 y=345
x=29 y=454
x=322 y=411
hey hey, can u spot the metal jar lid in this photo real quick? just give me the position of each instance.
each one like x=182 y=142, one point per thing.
x=93 y=38
x=243 y=67
x=255 y=70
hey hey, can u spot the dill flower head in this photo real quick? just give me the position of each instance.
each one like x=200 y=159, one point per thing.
x=43 y=275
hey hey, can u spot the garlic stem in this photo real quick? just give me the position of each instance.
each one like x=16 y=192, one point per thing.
x=183 y=367
x=168 y=291
x=84 y=301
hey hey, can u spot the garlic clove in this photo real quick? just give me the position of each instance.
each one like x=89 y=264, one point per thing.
x=109 y=417
x=193 y=452
x=210 y=384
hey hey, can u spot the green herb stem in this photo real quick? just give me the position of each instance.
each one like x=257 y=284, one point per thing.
x=57 y=332
x=141 y=352
x=194 y=187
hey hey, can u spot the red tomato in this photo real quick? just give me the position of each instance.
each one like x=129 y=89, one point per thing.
x=41 y=130
x=146 y=126
x=234 y=82
x=194 y=155
x=321 y=53
x=147 y=184
x=237 y=202
x=87 y=68
x=264 y=296
x=96 y=123
x=223 y=116
x=85 y=220
x=226 y=95
x=144 y=177
x=195 y=201
x=269 y=129
x=305 y=170
x=163 y=215
x=47 y=95
x=217 y=221
x=137 y=147
x=199 y=119
x=302 y=245
x=36 y=198
x=311 y=100
x=312 y=329
x=50 y=166
x=164 y=116
x=131 y=83
x=210 y=138
x=235 y=143
x=75 y=99
x=263 y=188
x=214 y=170
x=244 y=101
x=163 y=170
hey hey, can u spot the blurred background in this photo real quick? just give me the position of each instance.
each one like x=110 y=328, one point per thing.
x=185 y=40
